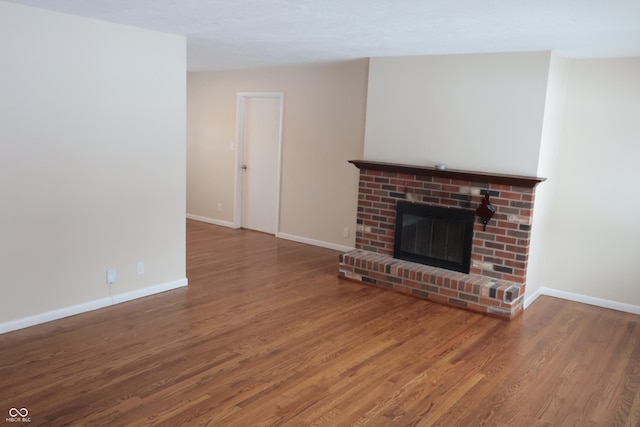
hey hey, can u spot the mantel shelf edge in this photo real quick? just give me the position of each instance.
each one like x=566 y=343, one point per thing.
x=462 y=175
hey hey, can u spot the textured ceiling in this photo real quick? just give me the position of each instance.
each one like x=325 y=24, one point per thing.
x=234 y=34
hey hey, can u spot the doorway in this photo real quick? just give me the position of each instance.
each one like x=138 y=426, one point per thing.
x=258 y=161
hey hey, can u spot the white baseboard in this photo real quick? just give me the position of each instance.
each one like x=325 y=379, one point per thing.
x=212 y=221
x=584 y=299
x=151 y=290
x=314 y=242
x=530 y=299
x=37 y=319
x=285 y=236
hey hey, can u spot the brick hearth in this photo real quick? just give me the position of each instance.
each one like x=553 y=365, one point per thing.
x=499 y=255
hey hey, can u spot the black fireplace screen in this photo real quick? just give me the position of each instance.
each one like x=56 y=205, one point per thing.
x=437 y=236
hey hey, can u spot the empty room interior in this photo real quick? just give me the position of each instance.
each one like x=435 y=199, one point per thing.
x=316 y=213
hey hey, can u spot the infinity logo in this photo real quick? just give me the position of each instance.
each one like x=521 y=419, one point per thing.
x=22 y=412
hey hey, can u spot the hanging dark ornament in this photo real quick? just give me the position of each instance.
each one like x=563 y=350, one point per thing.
x=486 y=210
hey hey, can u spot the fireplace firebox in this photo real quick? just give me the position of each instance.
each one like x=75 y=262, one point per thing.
x=432 y=235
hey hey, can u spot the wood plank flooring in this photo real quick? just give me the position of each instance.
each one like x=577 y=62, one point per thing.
x=266 y=334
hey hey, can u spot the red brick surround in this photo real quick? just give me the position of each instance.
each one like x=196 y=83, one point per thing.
x=470 y=291
x=498 y=258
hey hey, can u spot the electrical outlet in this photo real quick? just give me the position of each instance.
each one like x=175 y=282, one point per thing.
x=219 y=207
x=345 y=232
x=112 y=274
x=140 y=267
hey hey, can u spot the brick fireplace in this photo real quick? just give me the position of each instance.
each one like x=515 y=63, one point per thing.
x=496 y=282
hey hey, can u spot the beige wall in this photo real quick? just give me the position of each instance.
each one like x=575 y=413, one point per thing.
x=92 y=162
x=593 y=229
x=550 y=142
x=479 y=112
x=324 y=113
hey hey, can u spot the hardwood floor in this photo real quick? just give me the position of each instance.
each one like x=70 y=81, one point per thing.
x=266 y=334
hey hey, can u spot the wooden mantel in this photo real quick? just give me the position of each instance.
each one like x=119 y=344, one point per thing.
x=462 y=175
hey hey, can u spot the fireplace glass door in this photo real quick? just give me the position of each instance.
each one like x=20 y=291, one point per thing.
x=437 y=236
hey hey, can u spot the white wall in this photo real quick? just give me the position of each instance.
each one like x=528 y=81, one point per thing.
x=324 y=114
x=593 y=230
x=480 y=112
x=92 y=162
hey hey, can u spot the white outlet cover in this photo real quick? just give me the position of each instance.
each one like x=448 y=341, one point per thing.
x=111 y=276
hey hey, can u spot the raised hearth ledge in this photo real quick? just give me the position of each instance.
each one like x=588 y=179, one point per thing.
x=494 y=178
x=482 y=294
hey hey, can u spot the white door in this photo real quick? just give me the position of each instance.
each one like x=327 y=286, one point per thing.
x=261 y=120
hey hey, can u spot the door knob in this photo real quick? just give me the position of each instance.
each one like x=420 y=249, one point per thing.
x=244 y=167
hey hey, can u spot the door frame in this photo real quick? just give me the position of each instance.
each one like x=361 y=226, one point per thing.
x=241 y=98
